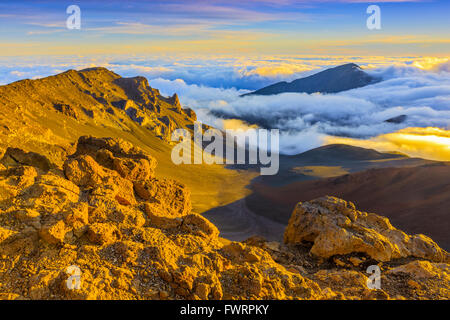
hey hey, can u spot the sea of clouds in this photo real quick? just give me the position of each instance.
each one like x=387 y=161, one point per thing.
x=309 y=120
x=213 y=88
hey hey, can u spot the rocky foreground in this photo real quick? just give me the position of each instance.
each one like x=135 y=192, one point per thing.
x=133 y=236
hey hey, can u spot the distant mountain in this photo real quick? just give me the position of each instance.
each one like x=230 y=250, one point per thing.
x=341 y=78
x=343 y=152
x=334 y=160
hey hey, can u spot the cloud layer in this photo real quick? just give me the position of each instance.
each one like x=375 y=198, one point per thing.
x=432 y=143
x=354 y=116
x=417 y=87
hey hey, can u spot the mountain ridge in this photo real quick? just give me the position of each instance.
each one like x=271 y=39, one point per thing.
x=47 y=115
x=332 y=80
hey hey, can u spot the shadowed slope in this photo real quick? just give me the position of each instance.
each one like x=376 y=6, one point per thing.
x=415 y=199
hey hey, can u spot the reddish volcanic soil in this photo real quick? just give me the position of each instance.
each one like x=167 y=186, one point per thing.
x=416 y=200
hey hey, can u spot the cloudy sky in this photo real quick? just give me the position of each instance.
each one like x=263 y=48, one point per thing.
x=210 y=52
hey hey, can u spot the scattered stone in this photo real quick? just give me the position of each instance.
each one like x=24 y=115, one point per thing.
x=103 y=233
x=54 y=233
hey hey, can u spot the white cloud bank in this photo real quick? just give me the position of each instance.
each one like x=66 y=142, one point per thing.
x=308 y=121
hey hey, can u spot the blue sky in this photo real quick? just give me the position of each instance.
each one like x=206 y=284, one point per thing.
x=217 y=27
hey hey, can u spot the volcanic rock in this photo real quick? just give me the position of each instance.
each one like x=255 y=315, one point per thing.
x=335 y=227
x=133 y=236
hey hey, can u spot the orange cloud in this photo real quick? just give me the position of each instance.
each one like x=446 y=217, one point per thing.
x=429 y=63
x=237 y=124
x=430 y=143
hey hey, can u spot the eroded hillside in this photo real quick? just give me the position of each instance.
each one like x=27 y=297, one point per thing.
x=48 y=115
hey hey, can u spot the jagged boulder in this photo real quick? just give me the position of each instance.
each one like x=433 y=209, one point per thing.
x=54 y=233
x=18 y=157
x=425 y=269
x=134 y=170
x=85 y=172
x=129 y=161
x=50 y=193
x=103 y=233
x=197 y=225
x=162 y=217
x=175 y=101
x=172 y=195
x=109 y=167
x=119 y=147
x=335 y=227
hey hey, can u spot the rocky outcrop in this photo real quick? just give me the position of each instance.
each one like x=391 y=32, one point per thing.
x=15 y=156
x=335 y=227
x=67 y=110
x=341 y=78
x=45 y=115
x=175 y=101
x=398 y=119
x=132 y=235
